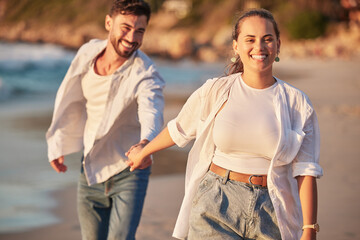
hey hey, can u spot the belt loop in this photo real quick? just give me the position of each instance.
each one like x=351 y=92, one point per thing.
x=264 y=181
x=226 y=177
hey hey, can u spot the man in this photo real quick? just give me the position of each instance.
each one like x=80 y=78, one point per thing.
x=110 y=100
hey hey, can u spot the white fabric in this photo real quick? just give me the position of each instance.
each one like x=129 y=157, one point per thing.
x=96 y=89
x=297 y=151
x=134 y=111
x=246 y=130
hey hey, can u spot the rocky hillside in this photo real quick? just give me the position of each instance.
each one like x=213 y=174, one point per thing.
x=205 y=33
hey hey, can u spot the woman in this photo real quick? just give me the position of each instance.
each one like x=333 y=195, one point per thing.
x=251 y=173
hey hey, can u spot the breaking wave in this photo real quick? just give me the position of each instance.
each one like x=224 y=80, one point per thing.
x=31 y=68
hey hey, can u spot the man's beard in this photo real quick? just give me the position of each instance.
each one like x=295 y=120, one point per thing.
x=124 y=54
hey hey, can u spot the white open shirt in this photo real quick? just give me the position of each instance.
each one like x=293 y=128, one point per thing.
x=134 y=111
x=297 y=150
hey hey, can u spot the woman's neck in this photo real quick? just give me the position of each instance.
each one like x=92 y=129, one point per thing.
x=258 y=80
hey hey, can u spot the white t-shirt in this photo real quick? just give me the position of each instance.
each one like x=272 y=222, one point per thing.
x=95 y=88
x=246 y=130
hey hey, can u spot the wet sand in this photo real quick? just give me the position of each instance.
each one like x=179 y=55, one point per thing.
x=332 y=85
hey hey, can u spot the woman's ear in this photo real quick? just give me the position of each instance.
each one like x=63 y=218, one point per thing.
x=278 y=46
x=235 y=46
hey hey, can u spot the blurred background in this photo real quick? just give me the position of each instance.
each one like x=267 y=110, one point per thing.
x=199 y=29
x=190 y=41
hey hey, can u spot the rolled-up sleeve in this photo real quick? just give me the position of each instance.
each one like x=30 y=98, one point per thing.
x=150 y=100
x=306 y=162
x=183 y=128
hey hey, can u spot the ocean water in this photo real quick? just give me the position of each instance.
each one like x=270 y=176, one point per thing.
x=31 y=68
x=39 y=69
x=30 y=75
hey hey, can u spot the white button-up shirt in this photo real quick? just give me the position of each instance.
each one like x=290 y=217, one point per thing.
x=297 y=150
x=133 y=111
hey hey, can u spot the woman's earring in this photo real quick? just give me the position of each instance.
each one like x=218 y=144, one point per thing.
x=233 y=59
x=277 y=59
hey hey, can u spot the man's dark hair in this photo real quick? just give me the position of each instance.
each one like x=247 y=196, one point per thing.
x=130 y=7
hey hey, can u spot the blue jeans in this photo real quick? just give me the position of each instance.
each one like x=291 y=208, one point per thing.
x=225 y=209
x=112 y=209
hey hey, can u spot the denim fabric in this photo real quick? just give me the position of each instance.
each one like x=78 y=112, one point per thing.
x=225 y=209
x=112 y=209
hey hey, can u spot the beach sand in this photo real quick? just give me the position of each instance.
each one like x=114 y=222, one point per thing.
x=332 y=85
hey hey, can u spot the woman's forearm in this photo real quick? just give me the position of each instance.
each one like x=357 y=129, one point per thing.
x=161 y=141
x=308 y=198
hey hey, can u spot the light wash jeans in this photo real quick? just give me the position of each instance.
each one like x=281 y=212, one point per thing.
x=112 y=209
x=225 y=209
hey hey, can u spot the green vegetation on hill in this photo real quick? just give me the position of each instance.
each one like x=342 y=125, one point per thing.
x=76 y=12
x=38 y=12
x=200 y=10
x=307 y=25
x=82 y=12
x=205 y=33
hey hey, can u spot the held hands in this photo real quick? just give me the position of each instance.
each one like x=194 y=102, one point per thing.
x=136 y=160
x=58 y=164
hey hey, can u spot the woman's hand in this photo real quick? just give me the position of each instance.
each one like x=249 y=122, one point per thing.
x=136 y=160
x=139 y=154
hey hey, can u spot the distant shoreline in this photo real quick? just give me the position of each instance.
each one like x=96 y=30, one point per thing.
x=344 y=44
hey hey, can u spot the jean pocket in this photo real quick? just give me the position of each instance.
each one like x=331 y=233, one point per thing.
x=204 y=186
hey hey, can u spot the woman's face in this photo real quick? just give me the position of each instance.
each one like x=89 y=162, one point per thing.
x=256 y=44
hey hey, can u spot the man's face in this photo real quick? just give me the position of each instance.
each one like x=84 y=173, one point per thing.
x=126 y=33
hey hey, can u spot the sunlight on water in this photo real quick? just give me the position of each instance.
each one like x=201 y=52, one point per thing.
x=40 y=68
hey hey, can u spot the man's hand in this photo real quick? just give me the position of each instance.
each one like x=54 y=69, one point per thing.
x=136 y=161
x=58 y=164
